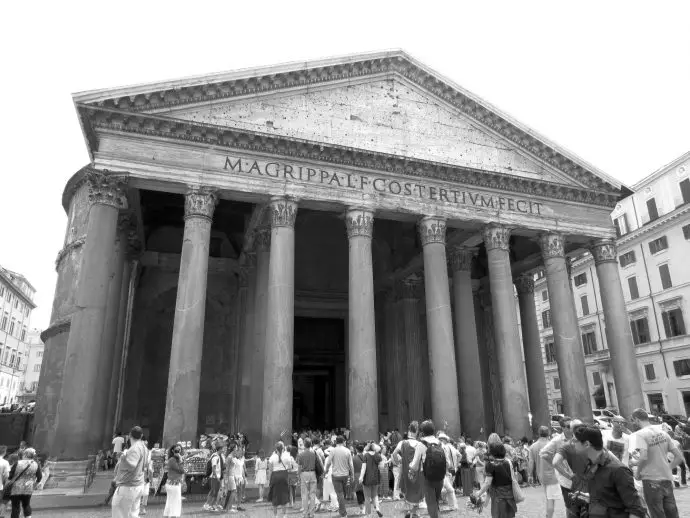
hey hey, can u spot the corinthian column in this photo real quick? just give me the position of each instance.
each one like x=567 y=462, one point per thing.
x=277 y=414
x=534 y=363
x=362 y=372
x=411 y=340
x=184 y=375
x=467 y=360
x=566 y=331
x=618 y=334
x=445 y=407
x=508 y=351
x=75 y=434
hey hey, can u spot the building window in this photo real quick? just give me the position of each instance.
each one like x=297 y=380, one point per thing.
x=5 y=317
x=557 y=384
x=23 y=336
x=665 y=276
x=12 y=327
x=632 y=286
x=685 y=190
x=39 y=354
x=621 y=224
x=640 y=331
x=580 y=279
x=12 y=358
x=585 y=305
x=545 y=294
x=589 y=343
x=550 y=352
x=2 y=291
x=627 y=258
x=673 y=322
x=652 y=210
x=686 y=231
x=5 y=356
x=37 y=367
x=658 y=245
x=682 y=367
x=8 y=296
x=596 y=378
x=649 y=373
x=16 y=302
x=546 y=318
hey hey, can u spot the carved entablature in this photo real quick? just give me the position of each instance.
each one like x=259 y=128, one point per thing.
x=604 y=251
x=107 y=189
x=282 y=212
x=262 y=238
x=496 y=236
x=432 y=229
x=525 y=283
x=460 y=258
x=200 y=203
x=359 y=223
x=552 y=245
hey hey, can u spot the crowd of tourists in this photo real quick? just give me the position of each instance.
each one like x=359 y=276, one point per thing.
x=20 y=474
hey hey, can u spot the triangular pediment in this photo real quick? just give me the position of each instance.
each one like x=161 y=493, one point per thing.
x=385 y=103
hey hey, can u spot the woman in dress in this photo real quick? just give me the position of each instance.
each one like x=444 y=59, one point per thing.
x=24 y=475
x=499 y=482
x=411 y=482
x=370 y=478
x=278 y=490
x=173 y=486
x=384 y=487
x=260 y=468
x=239 y=471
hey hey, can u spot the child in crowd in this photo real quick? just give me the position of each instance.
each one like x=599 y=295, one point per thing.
x=240 y=473
x=260 y=469
x=229 y=485
x=293 y=477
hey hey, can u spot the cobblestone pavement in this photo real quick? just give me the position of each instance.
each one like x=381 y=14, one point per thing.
x=532 y=507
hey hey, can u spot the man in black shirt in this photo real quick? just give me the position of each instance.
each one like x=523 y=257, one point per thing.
x=611 y=487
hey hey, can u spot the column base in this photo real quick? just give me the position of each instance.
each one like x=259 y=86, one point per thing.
x=68 y=475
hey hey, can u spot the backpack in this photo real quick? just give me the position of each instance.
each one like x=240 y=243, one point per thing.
x=434 y=462
x=209 y=465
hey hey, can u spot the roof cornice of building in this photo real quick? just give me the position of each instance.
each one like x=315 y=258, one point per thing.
x=4 y=275
x=661 y=172
x=655 y=225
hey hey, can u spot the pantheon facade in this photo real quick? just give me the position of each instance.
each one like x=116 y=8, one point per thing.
x=315 y=245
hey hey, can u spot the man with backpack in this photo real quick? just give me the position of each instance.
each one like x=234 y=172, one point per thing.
x=431 y=460
x=451 y=463
x=214 y=474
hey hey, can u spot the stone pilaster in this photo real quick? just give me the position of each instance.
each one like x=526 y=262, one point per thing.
x=362 y=370
x=467 y=361
x=514 y=402
x=566 y=331
x=184 y=376
x=618 y=333
x=277 y=415
x=534 y=363
x=445 y=405
x=75 y=435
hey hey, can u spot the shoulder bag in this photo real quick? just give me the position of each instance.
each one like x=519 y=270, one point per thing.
x=518 y=495
x=7 y=490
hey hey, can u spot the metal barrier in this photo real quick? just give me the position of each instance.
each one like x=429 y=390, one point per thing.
x=90 y=473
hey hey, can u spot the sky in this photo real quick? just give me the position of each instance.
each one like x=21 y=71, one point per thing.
x=609 y=81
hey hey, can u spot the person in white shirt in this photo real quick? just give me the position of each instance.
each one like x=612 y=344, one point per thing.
x=4 y=476
x=214 y=479
x=470 y=450
x=616 y=441
x=452 y=467
x=118 y=445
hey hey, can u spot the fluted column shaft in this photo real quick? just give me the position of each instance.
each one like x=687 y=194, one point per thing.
x=618 y=334
x=566 y=331
x=75 y=435
x=247 y=347
x=508 y=348
x=534 y=362
x=394 y=401
x=445 y=406
x=400 y=358
x=277 y=414
x=467 y=361
x=184 y=375
x=362 y=371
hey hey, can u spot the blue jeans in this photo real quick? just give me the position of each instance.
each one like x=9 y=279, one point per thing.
x=660 y=500
x=339 y=483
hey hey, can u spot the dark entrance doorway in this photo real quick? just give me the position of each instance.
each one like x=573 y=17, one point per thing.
x=318 y=378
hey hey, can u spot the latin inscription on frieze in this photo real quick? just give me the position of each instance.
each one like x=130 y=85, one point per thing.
x=420 y=190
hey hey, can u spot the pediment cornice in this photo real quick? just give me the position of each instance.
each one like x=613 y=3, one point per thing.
x=215 y=88
x=97 y=119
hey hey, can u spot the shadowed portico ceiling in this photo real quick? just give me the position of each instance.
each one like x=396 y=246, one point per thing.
x=158 y=110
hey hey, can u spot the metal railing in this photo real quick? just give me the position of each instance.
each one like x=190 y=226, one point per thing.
x=89 y=473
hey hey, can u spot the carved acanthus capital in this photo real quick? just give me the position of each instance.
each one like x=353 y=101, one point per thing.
x=461 y=258
x=262 y=238
x=496 y=236
x=604 y=251
x=359 y=223
x=200 y=203
x=282 y=212
x=107 y=189
x=552 y=245
x=432 y=229
x=525 y=283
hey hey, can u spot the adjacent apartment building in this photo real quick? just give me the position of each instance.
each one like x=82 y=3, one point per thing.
x=34 y=359
x=653 y=227
x=16 y=304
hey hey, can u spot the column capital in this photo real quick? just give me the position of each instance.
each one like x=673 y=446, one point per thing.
x=604 y=251
x=496 y=236
x=262 y=238
x=460 y=258
x=525 y=283
x=432 y=229
x=359 y=223
x=282 y=212
x=552 y=245
x=107 y=189
x=200 y=203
